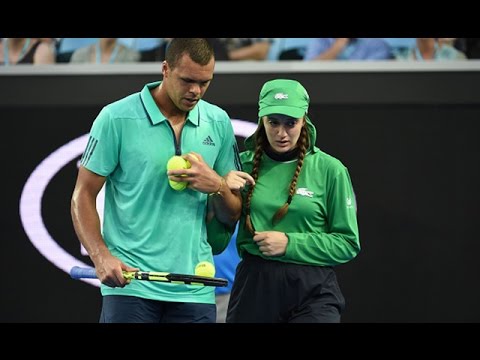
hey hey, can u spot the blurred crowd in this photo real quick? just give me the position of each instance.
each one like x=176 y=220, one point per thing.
x=129 y=50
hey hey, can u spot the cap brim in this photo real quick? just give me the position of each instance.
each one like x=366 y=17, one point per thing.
x=285 y=110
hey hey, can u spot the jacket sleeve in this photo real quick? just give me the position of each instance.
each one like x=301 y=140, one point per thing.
x=340 y=243
x=218 y=235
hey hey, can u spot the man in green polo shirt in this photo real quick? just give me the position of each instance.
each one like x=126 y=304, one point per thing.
x=147 y=224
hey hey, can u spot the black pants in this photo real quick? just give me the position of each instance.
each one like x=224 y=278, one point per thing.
x=268 y=291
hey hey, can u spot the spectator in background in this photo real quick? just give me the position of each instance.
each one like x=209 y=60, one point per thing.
x=288 y=49
x=399 y=44
x=147 y=47
x=26 y=51
x=225 y=265
x=348 y=49
x=247 y=48
x=458 y=43
x=431 y=49
x=105 y=51
x=67 y=46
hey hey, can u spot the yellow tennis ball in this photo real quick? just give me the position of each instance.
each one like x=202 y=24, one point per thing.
x=177 y=162
x=205 y=268
x=188 y=162
x=177 y=185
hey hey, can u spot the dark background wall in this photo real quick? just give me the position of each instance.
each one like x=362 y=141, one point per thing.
x=409 y=140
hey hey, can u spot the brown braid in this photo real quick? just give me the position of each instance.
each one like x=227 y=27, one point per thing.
x=303 y=144
x=260 y=140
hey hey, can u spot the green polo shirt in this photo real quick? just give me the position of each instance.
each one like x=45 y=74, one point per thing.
x=147 y=224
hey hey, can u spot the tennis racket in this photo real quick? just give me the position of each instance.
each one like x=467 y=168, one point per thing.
x=77 y=272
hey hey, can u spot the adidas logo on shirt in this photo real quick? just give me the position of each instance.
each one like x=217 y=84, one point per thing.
x=208 y=141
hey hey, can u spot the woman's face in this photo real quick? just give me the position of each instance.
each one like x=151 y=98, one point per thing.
x=282 y=131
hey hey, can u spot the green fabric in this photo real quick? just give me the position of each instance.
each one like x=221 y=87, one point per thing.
x=147 y=224
x=321 y=222
x=218 y=235
x=282 y=96
x=287 y=97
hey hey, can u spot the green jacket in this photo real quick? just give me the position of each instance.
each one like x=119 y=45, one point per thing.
x=321 y=223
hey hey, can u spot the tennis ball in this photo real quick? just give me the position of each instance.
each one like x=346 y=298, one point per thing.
x=205 y=268
x=177 y=162
x=188 y=162
x=178 y=185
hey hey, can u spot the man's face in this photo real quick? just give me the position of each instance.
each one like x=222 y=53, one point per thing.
x=187 y=82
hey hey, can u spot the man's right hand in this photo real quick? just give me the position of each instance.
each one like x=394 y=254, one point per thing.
x=110 y=271
x=236 y=180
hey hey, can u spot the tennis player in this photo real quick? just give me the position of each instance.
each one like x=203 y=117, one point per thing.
x=147 y=224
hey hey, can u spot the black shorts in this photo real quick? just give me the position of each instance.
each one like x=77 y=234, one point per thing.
x=268 y=291
x=132 y=309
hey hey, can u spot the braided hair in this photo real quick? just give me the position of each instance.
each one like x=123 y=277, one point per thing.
x=261 y=142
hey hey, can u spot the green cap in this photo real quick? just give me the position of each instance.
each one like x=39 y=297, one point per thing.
x=282 y=96
x=287 y=97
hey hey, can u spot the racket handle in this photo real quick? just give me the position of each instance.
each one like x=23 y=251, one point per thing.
x=78 y=272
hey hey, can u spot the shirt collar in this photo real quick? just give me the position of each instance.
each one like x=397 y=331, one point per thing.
x=154 y=112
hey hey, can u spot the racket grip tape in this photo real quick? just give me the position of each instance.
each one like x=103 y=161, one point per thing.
x=77 y=272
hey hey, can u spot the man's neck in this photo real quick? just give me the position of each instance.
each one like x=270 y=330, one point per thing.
x=167 y=107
